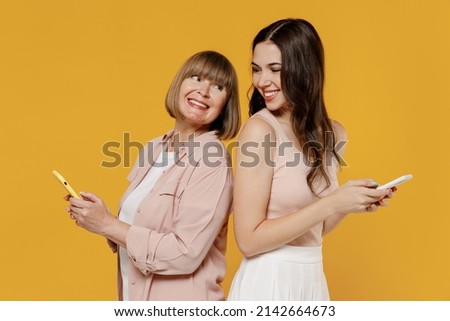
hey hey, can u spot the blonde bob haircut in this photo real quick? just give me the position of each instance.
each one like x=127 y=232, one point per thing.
x=217 y=68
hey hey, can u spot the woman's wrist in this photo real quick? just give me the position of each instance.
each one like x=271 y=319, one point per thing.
x=109 y=226
x=116 y=230
x=328 y=204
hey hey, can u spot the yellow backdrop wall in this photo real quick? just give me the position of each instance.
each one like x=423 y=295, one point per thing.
x=75 y=75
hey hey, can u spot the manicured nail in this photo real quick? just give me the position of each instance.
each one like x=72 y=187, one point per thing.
x=373 y=183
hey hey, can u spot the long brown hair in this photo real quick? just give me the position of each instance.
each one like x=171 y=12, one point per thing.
x=302 y=81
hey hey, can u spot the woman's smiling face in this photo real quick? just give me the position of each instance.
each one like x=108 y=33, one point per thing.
x=200 y=101
x=266 y=75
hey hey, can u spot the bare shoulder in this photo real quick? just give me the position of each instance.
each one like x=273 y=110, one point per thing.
x=339 y=130
x=255 y=129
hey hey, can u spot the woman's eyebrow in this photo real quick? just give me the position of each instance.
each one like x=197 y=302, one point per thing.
x=270 y=65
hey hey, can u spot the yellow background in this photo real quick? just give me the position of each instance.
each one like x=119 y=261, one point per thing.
x=77 y=74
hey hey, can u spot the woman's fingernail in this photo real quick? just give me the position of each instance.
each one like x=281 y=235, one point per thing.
x=373 y=183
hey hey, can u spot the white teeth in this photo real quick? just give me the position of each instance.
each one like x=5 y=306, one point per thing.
x=270 y=93
x=197 y=103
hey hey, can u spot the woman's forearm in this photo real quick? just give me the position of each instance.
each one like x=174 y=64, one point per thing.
x=332 y=222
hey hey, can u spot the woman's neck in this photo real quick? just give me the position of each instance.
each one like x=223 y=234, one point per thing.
x=184 y=131
x=283 y=115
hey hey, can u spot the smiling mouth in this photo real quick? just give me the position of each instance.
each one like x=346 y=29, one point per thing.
x=198 y=104
x=270 y=94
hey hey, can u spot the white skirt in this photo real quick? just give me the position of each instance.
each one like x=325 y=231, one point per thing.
x=289 y=273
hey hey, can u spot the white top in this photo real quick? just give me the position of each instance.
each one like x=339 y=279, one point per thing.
x=131 y=203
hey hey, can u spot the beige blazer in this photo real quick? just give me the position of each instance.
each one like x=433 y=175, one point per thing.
x=177 y=242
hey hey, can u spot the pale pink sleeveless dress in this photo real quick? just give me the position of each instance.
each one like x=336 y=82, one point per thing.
x=289 y=272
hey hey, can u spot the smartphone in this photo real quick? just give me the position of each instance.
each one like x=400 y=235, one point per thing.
x=396 y=182
x=66 y=185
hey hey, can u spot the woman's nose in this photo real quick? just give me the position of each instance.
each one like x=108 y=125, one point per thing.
x=203 y=89
x=263 y=81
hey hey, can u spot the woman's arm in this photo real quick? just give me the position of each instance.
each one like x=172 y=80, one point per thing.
x=341 y=137
x=202 y=214
x=255 y=233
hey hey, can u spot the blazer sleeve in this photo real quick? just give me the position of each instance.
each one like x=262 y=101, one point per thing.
x=202 y=212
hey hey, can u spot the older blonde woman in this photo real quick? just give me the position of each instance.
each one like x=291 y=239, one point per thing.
x=172 y=225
